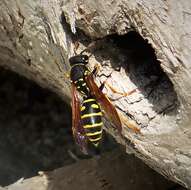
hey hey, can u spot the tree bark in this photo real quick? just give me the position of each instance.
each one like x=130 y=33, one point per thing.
x=97 y=173
x=37 y=38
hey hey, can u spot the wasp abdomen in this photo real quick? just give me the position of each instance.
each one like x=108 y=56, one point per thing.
x=91 y=117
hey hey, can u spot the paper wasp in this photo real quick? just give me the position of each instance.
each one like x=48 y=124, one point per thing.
x=87 y=123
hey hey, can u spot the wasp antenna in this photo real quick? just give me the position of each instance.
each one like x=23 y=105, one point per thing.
x=83 y=51
x=90 y=55
x=91 y=45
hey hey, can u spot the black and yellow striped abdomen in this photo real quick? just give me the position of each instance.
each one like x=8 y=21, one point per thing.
x=91 y=117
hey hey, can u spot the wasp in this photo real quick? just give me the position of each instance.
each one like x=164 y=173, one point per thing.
x=87 y=124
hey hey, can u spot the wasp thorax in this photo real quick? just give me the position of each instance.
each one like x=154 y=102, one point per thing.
x=79 y=59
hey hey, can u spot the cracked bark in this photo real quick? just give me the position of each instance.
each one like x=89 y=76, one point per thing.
x=36 y=42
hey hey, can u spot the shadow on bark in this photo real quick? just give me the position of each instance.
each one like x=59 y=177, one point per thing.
x=35 y=134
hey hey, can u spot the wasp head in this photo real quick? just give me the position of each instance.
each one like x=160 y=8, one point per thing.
x=82 y=59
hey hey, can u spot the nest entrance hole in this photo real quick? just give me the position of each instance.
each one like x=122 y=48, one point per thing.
x=138 y=58
x=144 y=71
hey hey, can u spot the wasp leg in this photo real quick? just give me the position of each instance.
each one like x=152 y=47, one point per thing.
x=102 y=86
x=95 y=70
x=121 y=93
x=67 y=75
x=89 y=47
x=93 y=46
x=131 y=124
x=116 y=91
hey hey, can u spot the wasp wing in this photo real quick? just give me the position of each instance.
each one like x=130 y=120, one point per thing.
x=77 y=129
x=106 y=105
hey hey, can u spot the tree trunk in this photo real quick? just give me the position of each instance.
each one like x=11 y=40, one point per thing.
x=138 y=38
x=97 y=173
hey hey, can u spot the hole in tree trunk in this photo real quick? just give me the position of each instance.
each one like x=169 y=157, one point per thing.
x=157 y=99
x=132 y=63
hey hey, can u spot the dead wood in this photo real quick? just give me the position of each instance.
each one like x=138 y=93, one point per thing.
x=146 y=45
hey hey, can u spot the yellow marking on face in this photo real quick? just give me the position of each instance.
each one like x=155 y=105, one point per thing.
x=84 y=84
x=86 y=73
x=81 y=79
x=78 y=87
x=93 y=125
x=67 y=74
x=89 y=100
x=91 y=114
x=93 y=134
x=96 y=144
x=83 y=108
x=93 y=140
x=95 y=106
